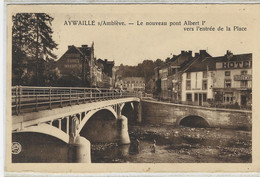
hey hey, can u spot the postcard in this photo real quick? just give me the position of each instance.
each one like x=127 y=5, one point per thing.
x=101 y=88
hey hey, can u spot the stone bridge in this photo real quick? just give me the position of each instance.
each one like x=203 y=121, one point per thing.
x=101 y=117
x=195 y=116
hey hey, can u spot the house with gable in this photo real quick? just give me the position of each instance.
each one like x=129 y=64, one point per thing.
x=78 y=61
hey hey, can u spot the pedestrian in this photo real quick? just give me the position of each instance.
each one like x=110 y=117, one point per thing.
x=153 y=147
x=137 y=145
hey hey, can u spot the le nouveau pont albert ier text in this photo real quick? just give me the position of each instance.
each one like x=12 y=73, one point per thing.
x=187 y=24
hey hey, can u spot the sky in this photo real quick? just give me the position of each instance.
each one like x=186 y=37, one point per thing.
x=131 y=44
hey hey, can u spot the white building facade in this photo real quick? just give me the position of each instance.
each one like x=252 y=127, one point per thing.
x=224 y=81
x=197 y=87
x=133 y=84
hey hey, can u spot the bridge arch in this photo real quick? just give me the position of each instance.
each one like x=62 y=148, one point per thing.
x=44 y=144
x=47 y=130
x=100 y=126
x=129 y=111
x=193 y=121
x=92 y=112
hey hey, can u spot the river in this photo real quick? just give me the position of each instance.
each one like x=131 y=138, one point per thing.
x=168 y=144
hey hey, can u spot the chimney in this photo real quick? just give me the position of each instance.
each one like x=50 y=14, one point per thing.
x=190 y=53
x=197 y=54
x=70 y=46
x=182 y=52
x=202 y=52
x=229 y=54
x=84 y=46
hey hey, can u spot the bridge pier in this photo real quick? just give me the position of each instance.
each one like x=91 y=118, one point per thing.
x=80 y=150
x=138 y=109
x=122 y=126
x=123 y=130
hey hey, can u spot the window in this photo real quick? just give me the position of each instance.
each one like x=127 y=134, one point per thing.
x=227 y=73
x=188 y=75
x=204 y=85
x=188 y=85
x=204 y=97
x=189 y=97
x=205 y=74
x=227 y=83
x=243 y=72
x=174 y=71
x=243 y=84
x=228 y=97
x=195 y=97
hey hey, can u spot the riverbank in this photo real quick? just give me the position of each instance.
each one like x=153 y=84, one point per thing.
x=178 y=145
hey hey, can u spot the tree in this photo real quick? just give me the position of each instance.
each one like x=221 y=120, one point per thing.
x=32 y=43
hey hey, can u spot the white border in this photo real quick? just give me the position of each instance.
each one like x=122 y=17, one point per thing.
x=3 y=14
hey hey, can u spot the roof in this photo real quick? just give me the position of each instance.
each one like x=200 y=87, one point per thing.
x=133 y=78
x=202 y=65
x=83 y=51
x=107 y=62
x=178 y=60
x=209 y=63
x=239 y=57
x=185 y=60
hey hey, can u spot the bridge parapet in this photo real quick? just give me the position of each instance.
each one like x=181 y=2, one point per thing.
x=29 y=99
x=170 y=113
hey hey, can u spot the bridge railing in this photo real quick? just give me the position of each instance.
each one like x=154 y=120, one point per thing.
x=28 y=98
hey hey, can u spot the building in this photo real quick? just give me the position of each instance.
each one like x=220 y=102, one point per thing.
x=79 y=61
x=163 y=76
x=133 y=84
x=224 y=80
x=233 y=81
x=97 y=77
x=107 y=72
x=171 y=74
x=107 y=66
x=197 y=80
x=115 y=78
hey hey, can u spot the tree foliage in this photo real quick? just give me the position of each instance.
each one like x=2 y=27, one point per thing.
x=32 y=46
x=144 y=69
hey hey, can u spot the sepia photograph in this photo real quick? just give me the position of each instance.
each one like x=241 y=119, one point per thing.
x=132 y=87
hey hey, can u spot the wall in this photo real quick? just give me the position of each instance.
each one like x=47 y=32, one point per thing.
x=168 y=113
x=70 y=61
x=196 y=84
x=220 y=77
x=37 y=147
